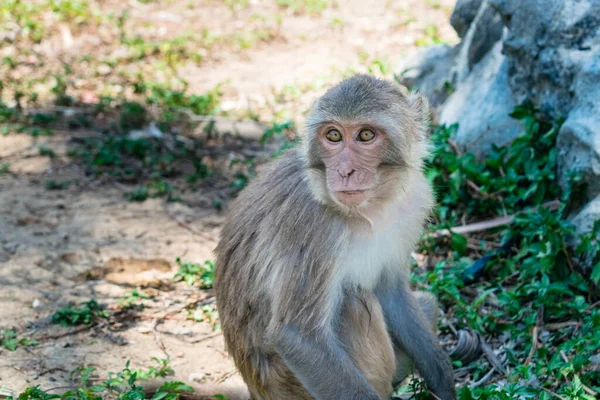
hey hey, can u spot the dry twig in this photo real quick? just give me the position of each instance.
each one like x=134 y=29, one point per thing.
x=157 y=339
x=485 y=225
x=534 y=335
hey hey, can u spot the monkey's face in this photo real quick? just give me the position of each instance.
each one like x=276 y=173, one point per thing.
x=364 y=144
x=351 y=153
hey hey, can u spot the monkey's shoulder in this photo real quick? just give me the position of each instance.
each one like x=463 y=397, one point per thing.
x=280 y=195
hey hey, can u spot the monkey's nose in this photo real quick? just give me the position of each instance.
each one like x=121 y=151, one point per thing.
x=345 y=173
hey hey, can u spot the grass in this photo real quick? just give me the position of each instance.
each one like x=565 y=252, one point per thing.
x=134 y=299
x=430 y=37
x=313 y=7
x=193 y=273
x=122 y=385
x=11 y=341
x=87 y=313
x=529 y=302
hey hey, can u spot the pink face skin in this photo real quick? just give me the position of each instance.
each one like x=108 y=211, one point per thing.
x=351 y=157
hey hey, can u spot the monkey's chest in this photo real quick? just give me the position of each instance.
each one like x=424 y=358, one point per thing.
x=367 y=257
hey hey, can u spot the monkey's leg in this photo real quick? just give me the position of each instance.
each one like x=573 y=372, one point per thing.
x=363 y=333
x=323 y=366
x=404 y=364
x=411 y=331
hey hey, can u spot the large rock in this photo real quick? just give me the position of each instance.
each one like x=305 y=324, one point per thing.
x=429 y=71
x=483 y=33
x=579 y=149
x=463 y=15
x=461 y=81
x=545 y=51
x=546 y=45
x=584 y=219
x=553 y=52
x=481 y=104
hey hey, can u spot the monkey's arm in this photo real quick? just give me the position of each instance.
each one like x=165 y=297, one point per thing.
x=409 y=329
x=322 y=366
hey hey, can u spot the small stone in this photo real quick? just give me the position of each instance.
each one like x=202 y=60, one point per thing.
x=144 y=329
x=104 y=69
x=179 y=355
x=36 y=303
x=197 y=377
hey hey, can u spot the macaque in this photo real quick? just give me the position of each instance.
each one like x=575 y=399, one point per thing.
x=312 y=267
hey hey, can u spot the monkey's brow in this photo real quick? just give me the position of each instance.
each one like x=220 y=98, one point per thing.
x=321 y=123
x=366 y=123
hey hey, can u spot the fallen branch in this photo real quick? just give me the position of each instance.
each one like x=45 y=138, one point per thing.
x=72 y=331
x=534 y=335
x=560 y=325
x=247 y=129
x=157 y=339
x=224 y=377
x=153 y=317
x=558 y=396
x=207 y=337
x=534 y=338
x=485 y=225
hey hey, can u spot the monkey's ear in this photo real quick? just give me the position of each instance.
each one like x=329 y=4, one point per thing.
x=420 y=107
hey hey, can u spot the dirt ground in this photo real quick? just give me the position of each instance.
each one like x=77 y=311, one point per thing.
x=88 y=242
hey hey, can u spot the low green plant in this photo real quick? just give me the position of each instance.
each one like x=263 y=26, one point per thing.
x=204 y=313
x=46 y=152
x=11 y=341
x=138 y=194
x=534 y=285
x=57 y=185
x=157 y=188
x=88 y=313
x=133 y=299
x=276 y=130
x=162 y=370
x=509 y=179
x=430 y=37
x=192 y=273
x=133 y=116
x=122 y=385
x=83 y=374
x=315 y=7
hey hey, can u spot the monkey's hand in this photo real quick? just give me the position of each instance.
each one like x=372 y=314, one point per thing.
x=410 y=329
x=322 y=366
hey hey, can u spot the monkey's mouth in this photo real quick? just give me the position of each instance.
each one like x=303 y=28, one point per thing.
x=352 y=192
x=351 y=197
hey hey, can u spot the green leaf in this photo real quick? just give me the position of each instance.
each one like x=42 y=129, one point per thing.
x=596 y=273
x=459 y=243
x=10 y=344
x=160 y=395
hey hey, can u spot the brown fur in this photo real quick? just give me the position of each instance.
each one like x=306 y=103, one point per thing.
x=280 y=266
x=364 y=333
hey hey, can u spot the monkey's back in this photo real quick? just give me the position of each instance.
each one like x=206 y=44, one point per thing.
x=270 y=268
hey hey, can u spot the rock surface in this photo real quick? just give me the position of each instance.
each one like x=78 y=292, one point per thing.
x=482 y=103
x=545 y=51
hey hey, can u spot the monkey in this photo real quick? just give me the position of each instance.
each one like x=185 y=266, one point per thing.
x=312 y=265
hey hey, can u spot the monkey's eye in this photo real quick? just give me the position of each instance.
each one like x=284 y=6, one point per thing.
x=366 y=135
x=334 y=136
